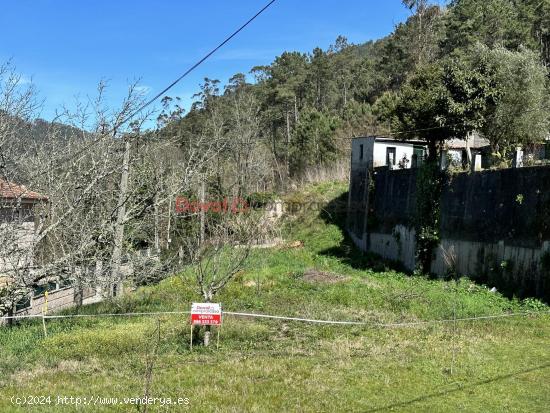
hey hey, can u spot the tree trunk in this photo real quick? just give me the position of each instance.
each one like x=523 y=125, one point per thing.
x=288 y=143
x=432 y=151
x=168 y=239
x=202 y=196
x=345 y=94
x=157 y=236
x=78 y=292
x=10 y=313
x=116 y=258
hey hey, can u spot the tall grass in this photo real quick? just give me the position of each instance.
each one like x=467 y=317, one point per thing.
x=274 y=365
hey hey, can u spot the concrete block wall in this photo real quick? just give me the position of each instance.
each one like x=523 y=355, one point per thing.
x=494 y=226
x=57 y=300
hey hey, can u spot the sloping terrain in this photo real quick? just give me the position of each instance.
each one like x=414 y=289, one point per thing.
x=487 y=365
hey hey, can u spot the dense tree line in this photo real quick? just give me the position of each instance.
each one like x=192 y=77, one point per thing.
x=111 y=187
x=473 y=65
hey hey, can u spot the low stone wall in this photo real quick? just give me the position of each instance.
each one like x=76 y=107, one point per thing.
x=59 y=300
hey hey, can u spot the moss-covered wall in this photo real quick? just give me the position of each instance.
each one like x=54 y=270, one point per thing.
x=510 y=205
x=494 y=226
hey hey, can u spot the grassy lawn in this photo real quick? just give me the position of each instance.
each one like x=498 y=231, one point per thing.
x=262 y=365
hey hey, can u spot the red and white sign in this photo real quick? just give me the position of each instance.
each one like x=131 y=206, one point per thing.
x=206 y=314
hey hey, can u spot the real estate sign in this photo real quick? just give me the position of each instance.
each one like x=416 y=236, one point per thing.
x=206 y=314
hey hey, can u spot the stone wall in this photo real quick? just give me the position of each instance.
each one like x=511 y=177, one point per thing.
x=494 y=225
x=60 y=299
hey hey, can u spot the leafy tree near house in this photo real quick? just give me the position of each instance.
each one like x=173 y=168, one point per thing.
x=501 y=93
x=520 y=117
x=471 y=91
x=421 y=109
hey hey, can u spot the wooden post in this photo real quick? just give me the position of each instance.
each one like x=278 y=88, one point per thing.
x=44 y=312
x=191 y=342
x=218 y=341
x=44 y=325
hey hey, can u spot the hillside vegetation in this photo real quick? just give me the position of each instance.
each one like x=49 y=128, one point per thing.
x=112 y=179
x=488 y=365
x=444 y=72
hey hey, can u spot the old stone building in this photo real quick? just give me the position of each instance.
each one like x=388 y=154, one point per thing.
x=21 y=211
x=18 y=220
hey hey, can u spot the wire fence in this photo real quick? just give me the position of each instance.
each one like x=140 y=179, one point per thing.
x=284 y=318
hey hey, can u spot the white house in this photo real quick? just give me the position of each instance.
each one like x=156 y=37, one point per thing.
x=376 y=151
x=463 y=151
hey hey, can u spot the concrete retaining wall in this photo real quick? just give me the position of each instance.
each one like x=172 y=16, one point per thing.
x=494 y=225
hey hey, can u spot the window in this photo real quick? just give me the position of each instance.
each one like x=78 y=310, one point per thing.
x=26 y=214
x=361 y=152
x=420 y=154
x=390 y=156
x=23 y=303
x=14 y=213
x=40 y=289
x=9 y=214
x=65 y=282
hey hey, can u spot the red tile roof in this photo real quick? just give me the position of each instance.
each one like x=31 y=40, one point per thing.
x=9 y=190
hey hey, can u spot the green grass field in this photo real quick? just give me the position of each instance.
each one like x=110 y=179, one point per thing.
x=489 y=365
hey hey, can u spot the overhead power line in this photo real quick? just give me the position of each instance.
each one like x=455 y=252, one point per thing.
x=166 y=89
x=171 y=85
x=458 y=124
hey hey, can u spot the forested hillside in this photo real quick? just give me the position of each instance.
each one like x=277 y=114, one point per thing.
x=474 y=65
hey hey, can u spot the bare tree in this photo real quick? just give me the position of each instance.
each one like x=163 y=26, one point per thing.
x=231 y=235
x=102 y=179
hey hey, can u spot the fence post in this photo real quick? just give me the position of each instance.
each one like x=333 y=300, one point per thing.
x=476 y=164
x=44 y=313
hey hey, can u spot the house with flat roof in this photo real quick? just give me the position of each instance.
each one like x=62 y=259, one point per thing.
x=377 y=151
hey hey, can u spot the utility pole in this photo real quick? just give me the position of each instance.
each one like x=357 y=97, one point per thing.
x=202 y=196
x=116 y=258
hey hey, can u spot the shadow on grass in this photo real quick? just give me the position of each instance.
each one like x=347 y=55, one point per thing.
x=459 y=389
x=335 y=213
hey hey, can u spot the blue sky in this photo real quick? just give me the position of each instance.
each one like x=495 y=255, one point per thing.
x=67 y=47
